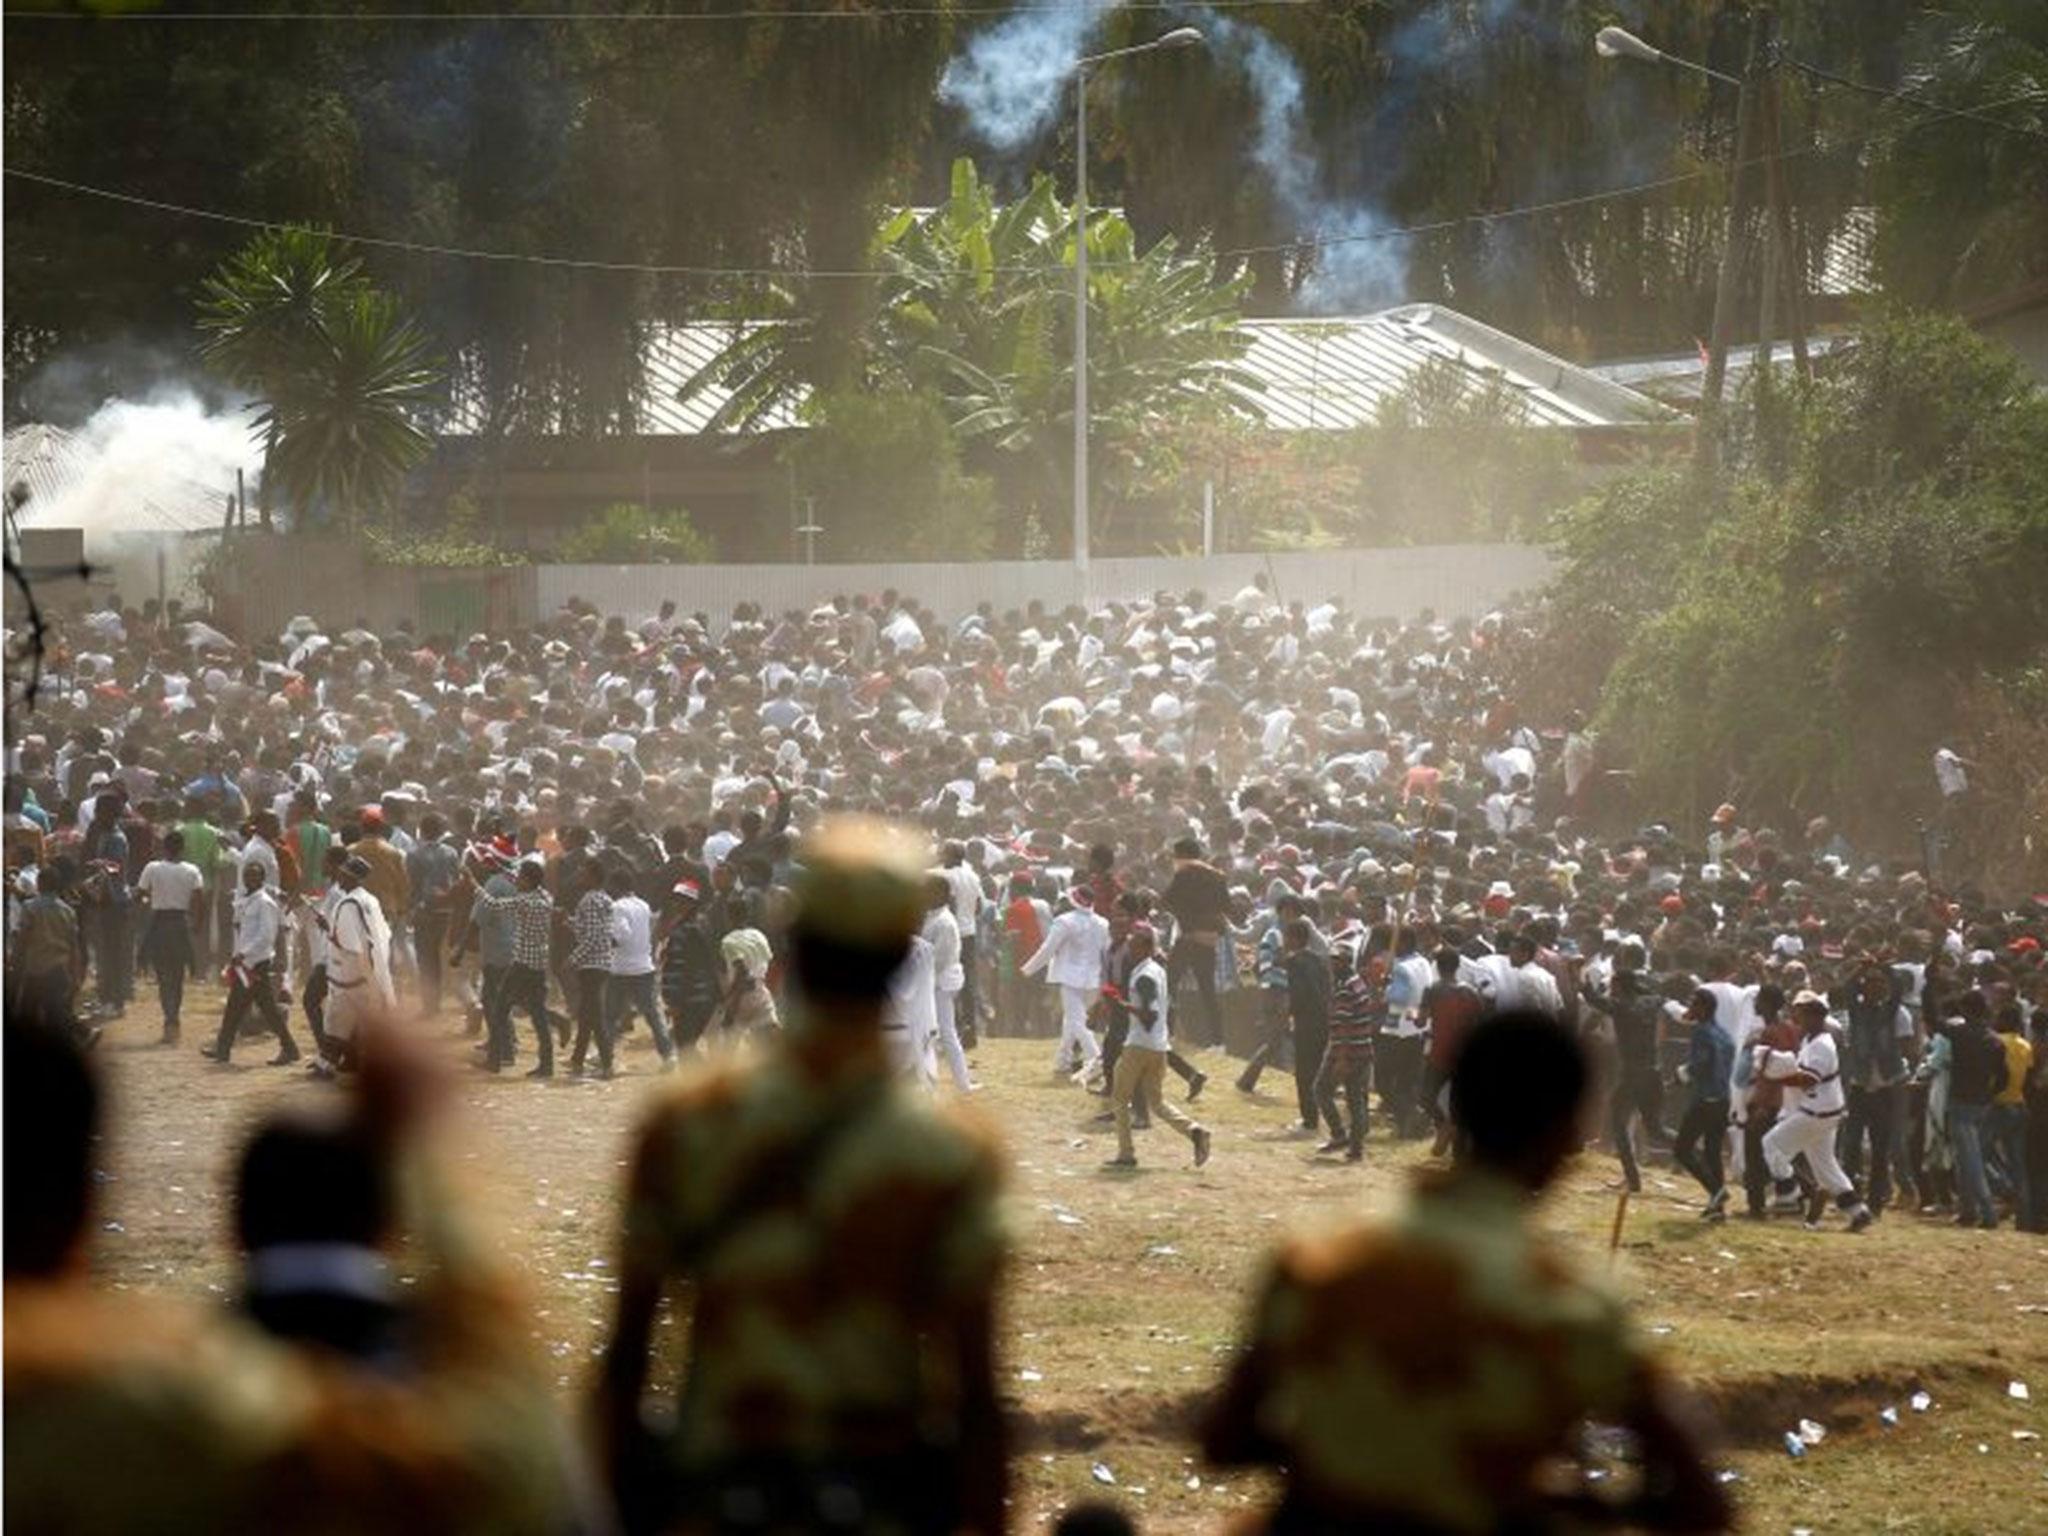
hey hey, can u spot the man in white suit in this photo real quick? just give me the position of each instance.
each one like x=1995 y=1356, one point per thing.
x=1072 y=957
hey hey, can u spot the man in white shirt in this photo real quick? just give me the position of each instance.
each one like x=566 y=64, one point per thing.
x=171 y=889
x=631 y=988
x=1528 y=986
x=910 y=1017
x=1072 y=958
x=942 y=932
x=1141 y=1065
x=358 y=962
x=250 y=982
x=964 y=880
x=1814 y=1103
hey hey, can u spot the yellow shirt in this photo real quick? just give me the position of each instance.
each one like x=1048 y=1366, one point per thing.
x=2019 y=1061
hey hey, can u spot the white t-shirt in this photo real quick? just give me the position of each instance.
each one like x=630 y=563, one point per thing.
x=632 y=937
x=170 y=886
x=1948 y=772
x=1149 y=978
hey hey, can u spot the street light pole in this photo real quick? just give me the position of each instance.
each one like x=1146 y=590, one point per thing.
x=1617 y=43
x=1179 y=37
x=1081 y=325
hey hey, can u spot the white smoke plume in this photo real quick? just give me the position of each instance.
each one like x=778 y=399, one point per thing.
x=1354 y=266
x=139 y=465
x=1011 y=79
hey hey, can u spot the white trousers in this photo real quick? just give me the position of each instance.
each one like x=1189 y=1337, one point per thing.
x=949 y=1040
x=1798 y=1132
x=1078 y=1048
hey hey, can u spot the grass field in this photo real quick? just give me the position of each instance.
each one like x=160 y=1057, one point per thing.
x=1127 y=1287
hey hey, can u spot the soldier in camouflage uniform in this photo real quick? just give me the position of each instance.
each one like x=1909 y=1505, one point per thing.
x=840 y=1240
x=1416 y=1377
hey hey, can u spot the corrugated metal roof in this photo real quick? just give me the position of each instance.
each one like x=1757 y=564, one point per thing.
x=48 y=462
x=1329 y=375
x=1320 y=375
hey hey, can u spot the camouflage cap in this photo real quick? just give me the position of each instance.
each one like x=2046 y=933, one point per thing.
x=863 y=881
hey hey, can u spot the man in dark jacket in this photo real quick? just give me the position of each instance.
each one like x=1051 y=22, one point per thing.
x=690 y=989
x=1199 y=898
x=1976 y=1076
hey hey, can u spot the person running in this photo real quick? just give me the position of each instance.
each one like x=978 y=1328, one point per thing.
x=590 y=964
x=526 y=977
x=1346 y=1067
x=632 y=987
x=1072 y=956
x=250 y=980
x=1418 y=1375
x=1815 y=1103
x=1141 y=1068
x=173 y=890
x=1709 y=1063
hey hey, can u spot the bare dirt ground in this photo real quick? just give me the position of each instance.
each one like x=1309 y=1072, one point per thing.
x=1127 y=1289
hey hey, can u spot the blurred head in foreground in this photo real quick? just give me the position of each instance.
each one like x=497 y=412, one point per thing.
x=53 y=1112
x=1517 y=1090
x=860 y=899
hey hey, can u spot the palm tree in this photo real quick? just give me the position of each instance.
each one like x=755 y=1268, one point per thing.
x=341 y=374
x=346 y=420
x=977 y=311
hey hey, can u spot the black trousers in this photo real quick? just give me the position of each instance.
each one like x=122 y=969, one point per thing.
x=1311 y=1039
x=526 y=986
x=1756 y=1177
x=1873 y=1115
x=967 y=1006
x=1397 y=1067
x=314 y=1000
x=1274 y=1030
x=1698 y=1147
x=258 y=992
x=1638 y=1090
x=429 y=940
x=1198 y=956
x=167 y=941
x=1349 y=1070
x=590 y=1020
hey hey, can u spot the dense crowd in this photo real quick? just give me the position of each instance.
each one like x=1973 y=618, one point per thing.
x=828 y=851
x=1345 y=836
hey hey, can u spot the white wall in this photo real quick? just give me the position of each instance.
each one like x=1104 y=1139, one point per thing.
x=1452 y=579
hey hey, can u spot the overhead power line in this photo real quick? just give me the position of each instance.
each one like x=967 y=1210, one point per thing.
x=1927 y=104
x=835 y=13
x=1305 y=242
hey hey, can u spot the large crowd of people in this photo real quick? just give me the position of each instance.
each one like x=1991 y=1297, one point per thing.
x=1347 y=837
x=1157 y=829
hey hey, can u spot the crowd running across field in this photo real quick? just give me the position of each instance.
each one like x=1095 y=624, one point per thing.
x=828 y=851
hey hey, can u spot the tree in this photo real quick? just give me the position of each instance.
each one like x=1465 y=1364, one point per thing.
x=628 y=534
x=344 y=379
x=884 y=471
x=1445 y=461
x=976 y=313
x=1809 y=638
x=1964 y=204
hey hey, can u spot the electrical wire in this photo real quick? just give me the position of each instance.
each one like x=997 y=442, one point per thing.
x=1299 y=244
x=1926 y=104
x=812 y=13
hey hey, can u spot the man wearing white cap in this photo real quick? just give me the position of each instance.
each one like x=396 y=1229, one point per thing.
x=1813 y=1115
x=1072 y=959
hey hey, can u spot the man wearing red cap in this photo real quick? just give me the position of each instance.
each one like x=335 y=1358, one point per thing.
x=1072 y=959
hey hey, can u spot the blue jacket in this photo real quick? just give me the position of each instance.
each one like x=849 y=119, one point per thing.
x=1709 y=1059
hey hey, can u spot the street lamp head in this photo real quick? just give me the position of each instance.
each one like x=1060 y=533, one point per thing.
x=1181 y=37
x=1619 y=43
